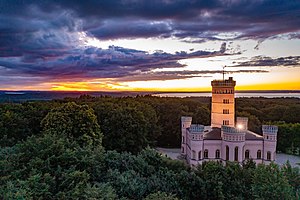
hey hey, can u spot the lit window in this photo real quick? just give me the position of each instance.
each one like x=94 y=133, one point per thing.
x=225 y=111
x=225 y=101
x=225 y=122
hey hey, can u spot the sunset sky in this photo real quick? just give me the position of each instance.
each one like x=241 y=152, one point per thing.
x=151 y=45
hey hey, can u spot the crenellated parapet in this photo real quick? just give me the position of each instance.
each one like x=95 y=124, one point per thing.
x=195 y=132
x=270 y=129
x=186 y=122
x=233 y=134
x=223 y=83
x=270 y=132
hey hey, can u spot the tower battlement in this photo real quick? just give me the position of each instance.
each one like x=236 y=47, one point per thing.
x=223 y=83
x=186 y=119
x=269 y=129
x=196 y=128
x=231 y=130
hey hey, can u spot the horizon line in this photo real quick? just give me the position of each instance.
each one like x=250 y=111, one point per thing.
x=151 y=91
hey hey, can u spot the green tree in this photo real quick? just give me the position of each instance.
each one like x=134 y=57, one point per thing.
x=161 y=196
x=269 y=182
x=127 y=125
x=49 y=167
x=74 y=121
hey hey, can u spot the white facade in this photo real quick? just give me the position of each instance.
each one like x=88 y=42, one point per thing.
x=226 y=140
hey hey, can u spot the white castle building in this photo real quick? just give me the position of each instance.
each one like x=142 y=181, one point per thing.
x=226 y=139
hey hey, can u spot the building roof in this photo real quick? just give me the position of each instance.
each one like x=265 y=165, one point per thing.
x=253 y=136
x=215 y=134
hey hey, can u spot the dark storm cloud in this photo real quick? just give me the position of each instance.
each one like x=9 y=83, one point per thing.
x=162 y=18
x=263 y=61
x=114 y=62
x=173 y=75
x=42 y=38
x=188 y=20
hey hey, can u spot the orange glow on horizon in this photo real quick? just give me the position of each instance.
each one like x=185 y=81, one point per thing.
x=86 y=86
x=111 y=85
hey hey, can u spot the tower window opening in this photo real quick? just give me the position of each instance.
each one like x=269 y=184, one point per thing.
x=225 y=122
x=225 y=111
x=225 y=101
x=199 y=155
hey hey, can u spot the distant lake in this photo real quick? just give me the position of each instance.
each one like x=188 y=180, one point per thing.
x=238 y=94
x=22 y=96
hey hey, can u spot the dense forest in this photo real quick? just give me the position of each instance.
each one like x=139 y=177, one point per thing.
x=100 y=148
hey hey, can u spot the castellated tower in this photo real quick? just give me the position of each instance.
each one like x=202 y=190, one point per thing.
x=222 y=107
x=194 y=143
x=226 y=140
x=270 y=139
x=185 y=123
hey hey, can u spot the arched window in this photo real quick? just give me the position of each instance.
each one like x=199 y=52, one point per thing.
x=193 y=155
x=217 y=153
x=259 y=154
x=199 y=155
x=247 y=154
x=236 y=154
x=205 y=153
x=227 y=152
x=268 y=155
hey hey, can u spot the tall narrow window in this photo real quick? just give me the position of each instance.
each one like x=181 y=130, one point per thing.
x=227 y=152
x=183 y=139
x=225 y=101
x=225 y=122
x=247 y=154
x=259 y=154
x=236 y=154
x=268 y=155
x=205 y=153
x=225 y=111
x=199 y=155
x=217 y=153
x=193 y=155
x=182 y=149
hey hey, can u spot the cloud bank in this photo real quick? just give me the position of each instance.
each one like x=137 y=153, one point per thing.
x=43 y=41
